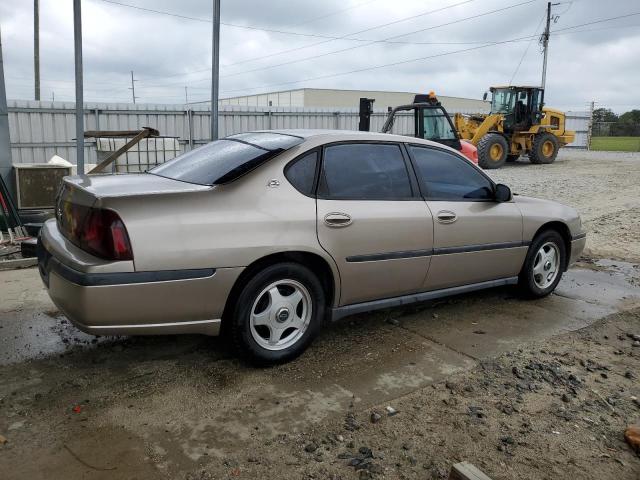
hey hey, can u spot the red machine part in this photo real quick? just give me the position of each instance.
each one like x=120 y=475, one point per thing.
x=469 y=150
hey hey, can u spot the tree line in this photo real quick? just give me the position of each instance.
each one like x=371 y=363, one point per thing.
x=608 y=123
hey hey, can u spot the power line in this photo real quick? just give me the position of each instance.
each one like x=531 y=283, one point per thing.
x=235 y=25
x=329 y=39
x=375 y=67
x=524 y=54
x=382 y=40
x=334 y=13
x=433 y=56
x=344 y=37
x=313 y=57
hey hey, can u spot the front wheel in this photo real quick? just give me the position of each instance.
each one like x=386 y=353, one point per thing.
x=543 y=266
x=278 y=313
x=544 y=149
x=492 y=151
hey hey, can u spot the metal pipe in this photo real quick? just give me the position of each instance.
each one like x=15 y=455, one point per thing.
x=5 y=145
x=77 y=40
x=215 y=69
x=36 y=47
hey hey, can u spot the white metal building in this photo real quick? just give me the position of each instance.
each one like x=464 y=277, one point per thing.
x=330 y=98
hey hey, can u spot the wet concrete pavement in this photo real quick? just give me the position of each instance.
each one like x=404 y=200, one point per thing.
x=188 y=398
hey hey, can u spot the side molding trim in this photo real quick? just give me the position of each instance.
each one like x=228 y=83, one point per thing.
x=341 y=312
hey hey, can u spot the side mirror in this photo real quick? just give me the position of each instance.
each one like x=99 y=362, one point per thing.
x=484 y=97
x=502 y=193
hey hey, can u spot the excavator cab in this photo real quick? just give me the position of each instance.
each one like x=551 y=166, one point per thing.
x=520 y=107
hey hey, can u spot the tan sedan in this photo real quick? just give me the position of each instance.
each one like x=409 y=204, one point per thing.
x=267 y=235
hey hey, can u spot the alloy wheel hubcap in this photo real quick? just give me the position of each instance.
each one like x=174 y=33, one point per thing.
x=281 y=314
x=546 y=265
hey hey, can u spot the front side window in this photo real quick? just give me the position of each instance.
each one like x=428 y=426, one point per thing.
x=437 y=126
x=445 y=176
x=364 y=171
x=503 y=101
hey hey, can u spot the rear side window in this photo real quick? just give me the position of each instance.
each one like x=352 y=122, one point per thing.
x=364 y=171
x=445 y=176
x=302 y=172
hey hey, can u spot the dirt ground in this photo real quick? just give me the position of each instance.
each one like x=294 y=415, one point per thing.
x=522 y=389
x=603 y=186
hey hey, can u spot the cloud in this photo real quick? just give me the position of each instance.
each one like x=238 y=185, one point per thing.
x=594 y=62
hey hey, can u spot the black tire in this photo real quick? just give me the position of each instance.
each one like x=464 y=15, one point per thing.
x=528 y=283
x=544 y=149
x=492 y=151
x=512 y=158
x=240 y=328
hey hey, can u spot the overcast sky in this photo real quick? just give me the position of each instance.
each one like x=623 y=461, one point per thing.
x=594 y=62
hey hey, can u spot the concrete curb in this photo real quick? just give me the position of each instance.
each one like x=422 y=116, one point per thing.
x=18 y=263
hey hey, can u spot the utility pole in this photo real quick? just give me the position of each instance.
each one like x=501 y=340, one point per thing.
x=544 y=39
x=133 y=87
x=77 y=41
x=592 y=107
x=36 y=47
x=186 y=95
x=215 y=69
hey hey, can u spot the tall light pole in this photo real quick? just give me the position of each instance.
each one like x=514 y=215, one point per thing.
x=36 y=47
x=215 y=69
x=77 y=41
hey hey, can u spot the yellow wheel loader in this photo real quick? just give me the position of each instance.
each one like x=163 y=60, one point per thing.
x=518 y=124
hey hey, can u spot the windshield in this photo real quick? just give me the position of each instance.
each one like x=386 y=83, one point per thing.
x=436 y=125
x=222 y=161
x=503 y=101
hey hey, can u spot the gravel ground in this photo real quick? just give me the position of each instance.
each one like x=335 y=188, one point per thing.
x=520 y=389
x=603 y=186
x=555 y=409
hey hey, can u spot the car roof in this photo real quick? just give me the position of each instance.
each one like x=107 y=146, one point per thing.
x=322 y=136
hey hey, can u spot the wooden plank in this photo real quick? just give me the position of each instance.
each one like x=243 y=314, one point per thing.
x=120 y=133
x=466 y=471
x=144 y=133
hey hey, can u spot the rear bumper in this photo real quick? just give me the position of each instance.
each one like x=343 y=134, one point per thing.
x=138 y=303
x=577 y=246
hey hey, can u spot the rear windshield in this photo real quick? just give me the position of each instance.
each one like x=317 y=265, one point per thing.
x=222 y=161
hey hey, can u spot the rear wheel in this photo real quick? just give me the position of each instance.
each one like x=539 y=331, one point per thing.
x=492 y=151
x=544 y=149
x=544 y=264
x=278 y=313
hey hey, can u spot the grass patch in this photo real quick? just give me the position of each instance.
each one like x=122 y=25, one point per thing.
x=616 y=144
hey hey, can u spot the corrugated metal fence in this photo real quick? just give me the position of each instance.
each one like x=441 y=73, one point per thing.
x=39 y=130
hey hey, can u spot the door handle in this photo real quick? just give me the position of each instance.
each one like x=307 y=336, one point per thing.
x=337 y=219
x=446 y=216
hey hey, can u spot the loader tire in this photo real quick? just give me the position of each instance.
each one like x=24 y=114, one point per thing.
x=544 y=149
x=492 y=151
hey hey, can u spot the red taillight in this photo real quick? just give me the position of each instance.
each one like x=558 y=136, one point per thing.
x=97 y=231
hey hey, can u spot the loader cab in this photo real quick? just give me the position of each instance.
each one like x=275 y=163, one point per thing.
x=520 y=107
